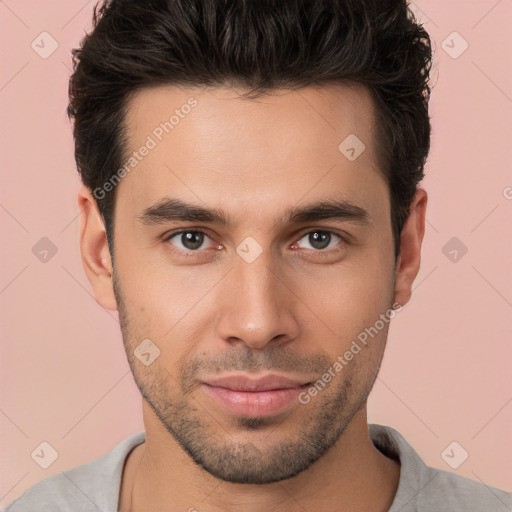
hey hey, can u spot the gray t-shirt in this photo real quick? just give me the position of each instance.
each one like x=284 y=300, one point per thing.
x=94 y=487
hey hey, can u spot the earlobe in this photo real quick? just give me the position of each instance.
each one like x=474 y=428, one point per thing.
x=408 y=264
x=94 y=250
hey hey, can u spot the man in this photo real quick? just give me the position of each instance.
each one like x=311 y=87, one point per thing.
x=251 y=208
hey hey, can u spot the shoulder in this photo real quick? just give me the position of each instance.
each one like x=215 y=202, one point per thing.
x=423 y=488
x=86 y=488
x=455 y=492
x=57 y=492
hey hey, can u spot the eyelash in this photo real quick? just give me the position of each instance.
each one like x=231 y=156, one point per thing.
x=320 y=252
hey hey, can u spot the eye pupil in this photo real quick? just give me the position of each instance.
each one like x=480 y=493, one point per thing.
x=319 y=239
x=192 y=239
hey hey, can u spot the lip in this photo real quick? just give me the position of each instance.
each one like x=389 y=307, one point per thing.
x=264 y=383
x=265 y=396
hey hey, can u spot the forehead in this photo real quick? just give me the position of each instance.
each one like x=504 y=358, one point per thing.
x=311 y=113
x=211 y=144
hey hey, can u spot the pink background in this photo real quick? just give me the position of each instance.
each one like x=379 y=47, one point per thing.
x=446 y=373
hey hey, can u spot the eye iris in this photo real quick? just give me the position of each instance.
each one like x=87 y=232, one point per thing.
x=192 y=239
x=319 y=239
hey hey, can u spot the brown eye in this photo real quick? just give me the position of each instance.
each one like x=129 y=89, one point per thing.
x=187 y=240
x=320 y=240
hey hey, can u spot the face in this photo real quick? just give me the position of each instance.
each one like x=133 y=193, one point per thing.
x=242 y=274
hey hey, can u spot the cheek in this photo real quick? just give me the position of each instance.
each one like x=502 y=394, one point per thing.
x=160 y=291
x=348 y=297
x=172 y=307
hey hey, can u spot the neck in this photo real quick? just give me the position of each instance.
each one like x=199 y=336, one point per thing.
x=160 y=476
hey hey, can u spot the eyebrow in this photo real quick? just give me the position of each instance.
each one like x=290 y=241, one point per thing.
x=173 y=209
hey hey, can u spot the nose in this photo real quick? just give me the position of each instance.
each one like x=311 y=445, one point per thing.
x=257 y=306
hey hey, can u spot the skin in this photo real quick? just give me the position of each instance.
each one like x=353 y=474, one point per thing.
x=293 y=310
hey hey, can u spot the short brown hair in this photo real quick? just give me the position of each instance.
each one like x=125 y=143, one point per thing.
x=262 y=45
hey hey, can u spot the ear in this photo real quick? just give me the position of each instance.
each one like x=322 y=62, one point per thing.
x=94 y=249
x=408 y=264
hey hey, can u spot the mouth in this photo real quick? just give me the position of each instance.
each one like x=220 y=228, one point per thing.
x=265 y=396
